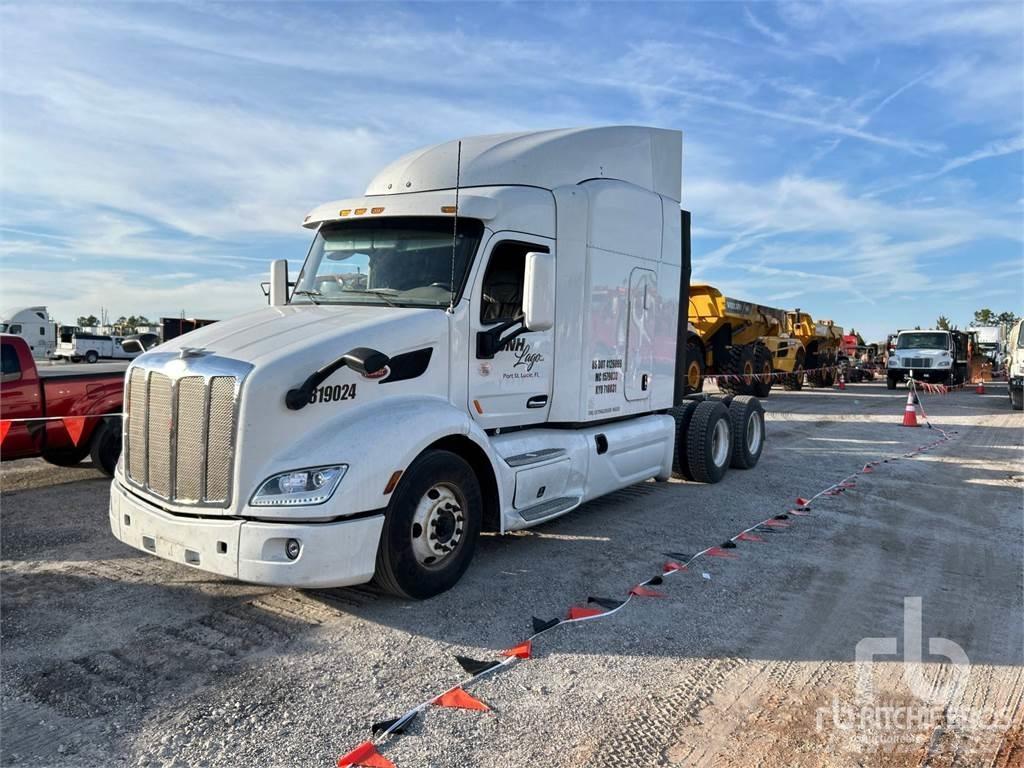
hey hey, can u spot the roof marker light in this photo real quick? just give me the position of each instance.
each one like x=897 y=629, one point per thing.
x=344 y=211
x=379 y=209
x=359 y=211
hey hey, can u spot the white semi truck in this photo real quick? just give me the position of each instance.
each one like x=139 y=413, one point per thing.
x=485 y=340
x=34 y=325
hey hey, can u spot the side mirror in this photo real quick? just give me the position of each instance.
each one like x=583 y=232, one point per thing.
x=539 y=291
x=278 y=283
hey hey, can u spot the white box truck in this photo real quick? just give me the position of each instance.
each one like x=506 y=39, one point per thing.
x=34 y=325
x=485 y=340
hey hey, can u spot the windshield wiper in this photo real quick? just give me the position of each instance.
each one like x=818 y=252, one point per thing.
x=379 y=292
x=311 y=292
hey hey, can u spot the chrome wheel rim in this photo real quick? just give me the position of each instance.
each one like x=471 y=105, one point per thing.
x=755 y=433
x=438 y=525
x=720 y=443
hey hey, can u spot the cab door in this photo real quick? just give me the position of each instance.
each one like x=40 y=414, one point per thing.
x=513 y=387
x=639 y=372
x=19 y=399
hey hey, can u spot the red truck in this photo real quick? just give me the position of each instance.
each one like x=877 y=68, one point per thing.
x=28 y=392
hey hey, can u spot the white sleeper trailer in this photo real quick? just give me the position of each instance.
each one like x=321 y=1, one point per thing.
x=434 y=373
x=34 y=325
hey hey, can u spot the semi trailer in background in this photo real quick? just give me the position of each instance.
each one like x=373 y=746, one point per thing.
x=34 y=325
x=486 y=339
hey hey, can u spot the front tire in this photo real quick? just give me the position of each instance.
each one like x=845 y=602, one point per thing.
x=1017 y=399
x=91 y=356
x=890 y=381
x=431 y=527
x=739 y=370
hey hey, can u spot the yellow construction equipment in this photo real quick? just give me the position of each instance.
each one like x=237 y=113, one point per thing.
x=819 y=344
x=745 y=343
x=727 y=339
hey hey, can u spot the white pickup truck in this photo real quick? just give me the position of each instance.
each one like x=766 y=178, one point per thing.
x=93 y=347
x=485 y=340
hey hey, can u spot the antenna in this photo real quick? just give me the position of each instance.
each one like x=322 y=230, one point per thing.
x=455 y=225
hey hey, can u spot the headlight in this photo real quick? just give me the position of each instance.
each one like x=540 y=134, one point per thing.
x=300 y=486
x=942 y=364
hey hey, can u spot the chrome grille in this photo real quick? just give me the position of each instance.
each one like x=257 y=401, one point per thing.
x=179 y=437
x=917 y=362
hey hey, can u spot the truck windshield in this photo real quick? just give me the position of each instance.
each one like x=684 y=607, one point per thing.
x=405 y=261
x=924 y=340
x=1020 y=337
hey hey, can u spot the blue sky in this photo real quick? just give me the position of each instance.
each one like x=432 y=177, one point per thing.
x=860 y=160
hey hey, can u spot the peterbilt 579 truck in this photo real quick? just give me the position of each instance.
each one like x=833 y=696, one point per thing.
x=485 y=340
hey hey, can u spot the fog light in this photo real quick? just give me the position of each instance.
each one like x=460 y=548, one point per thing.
x=292 y=547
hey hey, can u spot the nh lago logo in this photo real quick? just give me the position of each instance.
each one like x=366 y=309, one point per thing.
x=936 y=686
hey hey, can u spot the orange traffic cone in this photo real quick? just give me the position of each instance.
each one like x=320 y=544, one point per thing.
x=910 y=412
x=980 y=389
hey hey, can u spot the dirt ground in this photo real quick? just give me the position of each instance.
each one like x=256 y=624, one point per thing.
x=112 y=658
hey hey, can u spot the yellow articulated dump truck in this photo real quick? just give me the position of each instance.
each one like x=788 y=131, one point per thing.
x=817 y=350
x=732 y=339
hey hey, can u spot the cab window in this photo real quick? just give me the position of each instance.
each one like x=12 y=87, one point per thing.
x=501 y=295
x=10 y=361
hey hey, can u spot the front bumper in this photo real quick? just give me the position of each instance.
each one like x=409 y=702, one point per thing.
x=921 y=374
x=336 y=554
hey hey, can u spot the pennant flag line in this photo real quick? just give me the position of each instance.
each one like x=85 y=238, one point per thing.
x=719 y=552
x=521 y=651
x=671 y=567
x=74 y=425
x=474 y=667
x=641 y=591
x=365 y=754
x=396 y=725
x=457 y=698
x=582 y=613
x=605 y=602
x=539 y=625
x=747 y=536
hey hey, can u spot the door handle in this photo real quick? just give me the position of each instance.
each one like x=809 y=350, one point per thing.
x=537 y=401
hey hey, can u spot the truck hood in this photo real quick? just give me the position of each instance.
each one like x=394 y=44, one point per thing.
x=910 y=352
x=327 y=331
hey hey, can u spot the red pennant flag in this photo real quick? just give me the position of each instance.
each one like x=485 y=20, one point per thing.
x=801 y=501
x=719 y=552
x=776 y=523
x=5 y=427
x=521 y=651
x=457 y=698
x=747 y=536
x=867 y=469
x=641 y=591
x=848 y=484
x=670 y=566
x=800 y=512
x=74 y=425
x=365 y=754
x=581 y=613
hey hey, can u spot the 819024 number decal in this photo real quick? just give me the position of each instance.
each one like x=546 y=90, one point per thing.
x=335 y=393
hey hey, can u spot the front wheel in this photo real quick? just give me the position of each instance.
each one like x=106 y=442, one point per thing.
x=890 y=382
x=763 y=371
x=1017 y=399
x=91 y=356
x=66 y=457
x=431 y=527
